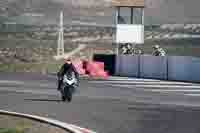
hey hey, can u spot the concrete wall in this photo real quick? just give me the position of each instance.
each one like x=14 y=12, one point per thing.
x=184 y=68
x=153 y=67
x=127 y=66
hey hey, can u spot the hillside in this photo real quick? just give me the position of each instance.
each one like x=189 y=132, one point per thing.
x=31 y=44
x=95 y=11
x=47 y=11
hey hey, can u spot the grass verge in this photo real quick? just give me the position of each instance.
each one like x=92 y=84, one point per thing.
x=7 y=130
x=11 y=124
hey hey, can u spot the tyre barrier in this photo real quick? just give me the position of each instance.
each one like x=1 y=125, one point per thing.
x=67 y=127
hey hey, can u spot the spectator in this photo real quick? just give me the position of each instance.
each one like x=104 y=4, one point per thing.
x=158 y=51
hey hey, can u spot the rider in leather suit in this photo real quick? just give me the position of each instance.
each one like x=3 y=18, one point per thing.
x=66 y=67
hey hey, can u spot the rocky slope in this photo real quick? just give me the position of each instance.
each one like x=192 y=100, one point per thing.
x=95 y=11
x=31 y=47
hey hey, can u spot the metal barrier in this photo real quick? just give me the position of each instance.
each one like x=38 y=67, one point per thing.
x=178 y=68
x=153 y=67
x=184 y=68
x=127 y=66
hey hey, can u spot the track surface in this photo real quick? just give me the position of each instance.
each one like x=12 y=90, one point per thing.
x=118 y=105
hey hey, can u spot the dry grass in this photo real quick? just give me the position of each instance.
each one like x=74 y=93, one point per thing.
x=10 y=124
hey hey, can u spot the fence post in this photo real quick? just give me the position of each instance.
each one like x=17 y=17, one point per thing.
x=116 y=65
x=139 y=66
x=167 y=63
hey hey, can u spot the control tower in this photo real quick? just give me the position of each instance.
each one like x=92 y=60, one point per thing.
x=129 y=22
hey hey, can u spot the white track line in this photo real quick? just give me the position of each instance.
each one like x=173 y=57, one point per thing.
x=194 y=95
x=166 y=90
x=161 y=90
x=11 y=82
x=57 y=123
x=156 y=86
x=143 y=82
x=36 y=91
x=126 y=78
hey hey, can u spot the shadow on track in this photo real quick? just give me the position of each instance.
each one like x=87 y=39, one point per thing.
x=43 y=100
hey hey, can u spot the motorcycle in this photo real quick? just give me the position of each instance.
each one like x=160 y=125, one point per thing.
x=68 y=86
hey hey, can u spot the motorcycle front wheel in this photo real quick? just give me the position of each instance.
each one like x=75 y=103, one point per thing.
x=63 y=98
x=67 y=94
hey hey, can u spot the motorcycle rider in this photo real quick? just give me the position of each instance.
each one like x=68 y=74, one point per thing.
x=127 y=49
x=158 y=51
x=66 y=67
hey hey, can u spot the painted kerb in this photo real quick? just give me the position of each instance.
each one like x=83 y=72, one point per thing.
x=68 y=127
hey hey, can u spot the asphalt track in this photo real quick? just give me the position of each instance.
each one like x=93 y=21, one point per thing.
x=118 y=105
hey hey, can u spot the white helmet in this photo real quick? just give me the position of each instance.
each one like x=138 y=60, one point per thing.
x=156 y=46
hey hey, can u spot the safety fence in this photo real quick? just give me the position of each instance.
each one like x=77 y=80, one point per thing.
x=180 y=68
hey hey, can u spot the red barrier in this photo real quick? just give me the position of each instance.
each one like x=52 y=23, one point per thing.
x=94 y=69
x=95 y=66
x=79 y=66
x=102 y=74
x=99 y=65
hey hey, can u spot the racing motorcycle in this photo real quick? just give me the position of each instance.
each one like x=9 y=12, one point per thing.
x=68 y=86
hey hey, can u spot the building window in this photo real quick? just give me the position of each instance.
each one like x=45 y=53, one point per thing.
x=129 y=15
x=124 y=14
x=136 y=15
